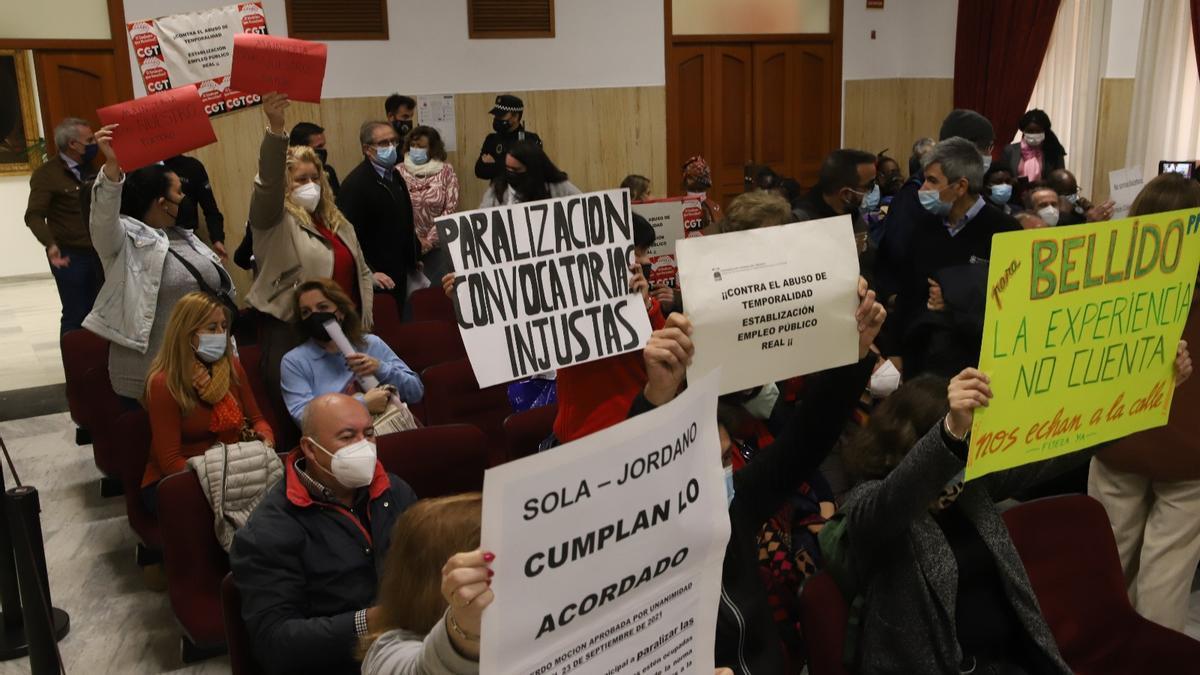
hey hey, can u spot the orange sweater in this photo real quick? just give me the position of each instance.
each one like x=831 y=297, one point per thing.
x=175 y=438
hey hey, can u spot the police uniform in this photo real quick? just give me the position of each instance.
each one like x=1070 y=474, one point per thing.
x=497 y=144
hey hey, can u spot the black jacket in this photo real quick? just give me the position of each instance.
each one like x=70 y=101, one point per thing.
x=747 y=638
x=382 y=215
x=197 y=192
x=497 y=146
x=305 y=567
x=812 y=206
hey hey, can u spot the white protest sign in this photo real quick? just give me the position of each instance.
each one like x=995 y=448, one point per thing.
x=196 y=48
x=544 y=285
x=609 y=549
x=775 y=302
x=1124 y=186
x=673 y=219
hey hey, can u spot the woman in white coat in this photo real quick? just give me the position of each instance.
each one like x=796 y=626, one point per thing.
x=149 y=264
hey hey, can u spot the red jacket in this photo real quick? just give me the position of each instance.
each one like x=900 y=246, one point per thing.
x=596 y=395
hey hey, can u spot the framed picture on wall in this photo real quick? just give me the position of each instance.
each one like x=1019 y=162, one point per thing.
x=21 y=148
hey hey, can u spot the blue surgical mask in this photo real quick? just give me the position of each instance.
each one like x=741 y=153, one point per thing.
x=1072 y=198
x=729 y=485
x=987 y=162
x=933 y=203
x=211 y=346
x=870 y=202
x=386 y=156
x=1001 y=193
x=418 y=155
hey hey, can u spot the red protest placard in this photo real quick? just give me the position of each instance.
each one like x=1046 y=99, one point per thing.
x=155 y=127
x=266 y=63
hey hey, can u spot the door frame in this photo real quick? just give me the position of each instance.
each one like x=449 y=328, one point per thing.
x=671 y=42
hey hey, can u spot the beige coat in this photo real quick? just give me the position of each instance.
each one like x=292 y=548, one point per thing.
x=288 y=252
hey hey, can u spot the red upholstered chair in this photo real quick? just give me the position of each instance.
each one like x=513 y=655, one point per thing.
x=437 y=461
x=431 y=304
x=241 y=656
x=1067 y=546
x=422 y=344
x=195 y=564
x=131 y=434
x=452 y=395
x=525 y=431
x=82 y=350
x=286 y=433
x=385 y=315
x=104 y=408
x=823 y=615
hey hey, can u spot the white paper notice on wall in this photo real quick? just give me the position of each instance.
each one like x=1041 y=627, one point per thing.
x=1123 y=186
x=771 y=303
x=438 y=112
x=609 y=549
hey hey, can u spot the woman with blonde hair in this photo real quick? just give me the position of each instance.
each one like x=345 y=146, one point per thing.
x=196 y=392
x=299 y=235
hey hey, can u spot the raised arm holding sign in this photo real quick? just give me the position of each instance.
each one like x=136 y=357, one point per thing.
x=158 y=126
x=266 y=63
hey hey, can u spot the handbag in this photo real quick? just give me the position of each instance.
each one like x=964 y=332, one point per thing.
x=396 y=417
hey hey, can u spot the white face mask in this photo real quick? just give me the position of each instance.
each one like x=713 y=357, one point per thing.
x=354 y=465
x=885 y=380
x=729 y=485
x=1049 y=214
x=307 y=196
x=1034 y=140
x=763 y=402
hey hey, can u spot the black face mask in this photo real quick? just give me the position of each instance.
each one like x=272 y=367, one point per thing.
x=500 y=125
x=526 y=184
x=323 y=155
x=314 y=325
x=402 y=128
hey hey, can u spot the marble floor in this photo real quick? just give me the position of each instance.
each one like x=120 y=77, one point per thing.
x=29 y=322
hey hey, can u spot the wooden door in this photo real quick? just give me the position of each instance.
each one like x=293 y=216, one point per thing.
x=75 y=84
x=690 y=112
x=776 y=108
x=818 y=108
x=733 y=120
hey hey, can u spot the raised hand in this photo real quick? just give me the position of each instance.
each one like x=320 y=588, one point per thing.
x=869 y=316
x=467 y=589
x=667 y=355
x=104 y=136
x=969 y=390
x=273 y=106
x=1183 y=363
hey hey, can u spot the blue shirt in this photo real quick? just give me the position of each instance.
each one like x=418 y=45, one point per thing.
x=967 y=217
x=308 y=371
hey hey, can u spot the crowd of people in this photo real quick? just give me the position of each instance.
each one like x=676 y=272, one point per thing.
x=342 y=569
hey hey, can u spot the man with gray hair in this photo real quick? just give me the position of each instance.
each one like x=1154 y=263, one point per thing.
x=58 y=219
x=374 y=198
x=941 y=295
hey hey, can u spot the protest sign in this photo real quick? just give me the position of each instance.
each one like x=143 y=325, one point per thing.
x=196 y=49
x=544 y=285
x=155 y=127
x=1080 y=334
x=777 y=301
x=673 y=218
x=265 y=63
x=1124 y=186
x=609 y=549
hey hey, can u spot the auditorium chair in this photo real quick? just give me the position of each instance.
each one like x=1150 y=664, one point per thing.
x=241 y=655
x=421 y=344
x=1069 y=552
x=452 y=395
x=385 y=315
x=431 y=304
x=823 y=616
x=286 y=434
x=525 y=431
x=132 y=438
x=82 y=350
x=104 y=409
x=195 y=564
x=436 y=461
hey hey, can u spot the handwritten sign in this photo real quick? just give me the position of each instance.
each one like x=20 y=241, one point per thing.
x=544 y=285
x=673 y=218
x=155 y=127
x=265 y=63
x=1080 y=334
x=777 y=301
x=609 y=549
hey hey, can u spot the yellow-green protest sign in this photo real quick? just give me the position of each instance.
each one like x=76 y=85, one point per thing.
x=1080 y=334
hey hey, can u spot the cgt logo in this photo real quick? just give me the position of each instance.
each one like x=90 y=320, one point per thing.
x=1193 y=223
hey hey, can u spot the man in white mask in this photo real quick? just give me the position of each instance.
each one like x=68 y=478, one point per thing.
x=307 y=561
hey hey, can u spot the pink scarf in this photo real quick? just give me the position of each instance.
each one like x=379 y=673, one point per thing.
x=1031 y=162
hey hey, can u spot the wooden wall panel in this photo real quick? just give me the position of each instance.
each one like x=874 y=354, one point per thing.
x=597 y=136
x=894 y=113
x=1116 y=106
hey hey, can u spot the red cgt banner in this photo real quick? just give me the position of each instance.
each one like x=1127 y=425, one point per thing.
x=155 y=127
x=266 y=63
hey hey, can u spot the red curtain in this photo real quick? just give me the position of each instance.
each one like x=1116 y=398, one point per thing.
x=1196 y=29
x=998 y=54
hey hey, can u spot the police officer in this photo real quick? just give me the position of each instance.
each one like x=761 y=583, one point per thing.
x=509 y=129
